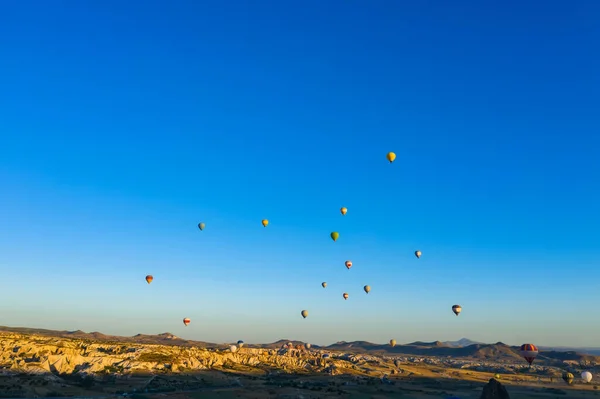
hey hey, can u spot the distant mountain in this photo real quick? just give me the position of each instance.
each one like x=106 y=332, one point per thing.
x=463 y=348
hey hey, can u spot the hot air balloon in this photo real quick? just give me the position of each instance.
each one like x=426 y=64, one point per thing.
x=345 y=295
x=367 y=288
x=397 y=363
x=392 y=342
x=344 y=210
x=265 y=222
x=324 y=284
x=233 y=348
x=391 y=156
x=457 y=309
x=304 y=313
x=497 y=376
x=568 y=378
x=240 y=343
x=348 y=264
x=418 y=254
x=335 y=235
x=149 y=279
x=586 y=376
x=529 y=352
x=186 y=321
x=201 y=226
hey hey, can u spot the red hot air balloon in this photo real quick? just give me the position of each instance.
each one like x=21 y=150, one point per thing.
x=186 y=321
x=529 y=352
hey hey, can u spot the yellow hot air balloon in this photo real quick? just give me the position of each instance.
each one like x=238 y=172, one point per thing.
x=335 y=235
x=201 y=226
x=324 y=284
x=265 y=222
x=149 y=279
x=344 y=210
x=392 y=342
x=391 y=156
x=304 y=313
x=418 y=254
x=367 y=288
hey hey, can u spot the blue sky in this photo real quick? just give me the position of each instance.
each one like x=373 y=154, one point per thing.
x=124 y=124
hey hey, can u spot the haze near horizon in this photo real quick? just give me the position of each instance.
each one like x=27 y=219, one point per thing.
x=128 y=123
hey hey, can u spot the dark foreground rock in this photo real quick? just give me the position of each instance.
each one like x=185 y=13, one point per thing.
x=494 y=390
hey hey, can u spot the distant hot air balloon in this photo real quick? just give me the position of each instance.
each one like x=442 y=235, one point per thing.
x=367 y=289
x=201 y=226
x=392 y=342
x=529 y=352
x=335 y=235
x=391 y=156
x=265 y=222
x=348 y=264
x=344 y=210
x=324 y=284
x=149 y=279
x=568 y=378
x=457 y=309
x=240 y=343
x=304 y=313
x=418 y=254
x=186 y=321
x=497 y=376
x=233 y=348
x=586 y=376
x=397 y=363
x=345 y=295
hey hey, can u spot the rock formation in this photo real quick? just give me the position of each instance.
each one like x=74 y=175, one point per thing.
x=494 y=390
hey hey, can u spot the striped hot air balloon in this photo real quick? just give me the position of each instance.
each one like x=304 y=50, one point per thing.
x=529 y=352
x=186 y=321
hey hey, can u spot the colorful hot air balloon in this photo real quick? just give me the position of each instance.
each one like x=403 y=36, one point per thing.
x=186 y=321
x=304 y=313
x=586 y=376
x=201 y=226
x=529 y=352
x=149 y=279
x=265 y=222
x=392 y=342
x=418 y=254
x=335 y=235
x=345 y=295
x=233 y=348
x=240 y=343
x=367 y=288
x=457 y=309
x=348 y=264
x=343 y=210
x=324 y=284
x=568 y=378
x=391 y=156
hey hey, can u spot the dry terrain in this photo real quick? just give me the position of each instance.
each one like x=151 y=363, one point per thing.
x=40 y=363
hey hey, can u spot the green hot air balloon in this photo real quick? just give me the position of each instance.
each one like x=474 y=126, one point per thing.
x=201 y=226
x=335 y=235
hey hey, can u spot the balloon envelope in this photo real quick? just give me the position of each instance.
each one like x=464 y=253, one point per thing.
x=233 y=348
x=345 y=295
x=304 y=313
x=586 y=376
x=324 y=284
x=392 y=342
x=457 y=309
x=348 y=264
x=343 y=210
x=367 y=288
x=149 y=279
x=418 y=254
x=201 y=226
x=335 y=235
x=186 y=321
x=391 y=156
x=265 y=222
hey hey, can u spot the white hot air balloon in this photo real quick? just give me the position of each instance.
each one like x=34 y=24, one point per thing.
x=233 y=348
x=586 y=376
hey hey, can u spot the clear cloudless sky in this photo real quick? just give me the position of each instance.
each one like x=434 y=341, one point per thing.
x=123 y=124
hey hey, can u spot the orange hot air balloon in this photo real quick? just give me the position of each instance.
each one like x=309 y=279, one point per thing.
x=344 y=210
x=345 y=295
x=186 y=321
x=149 y=279
x=529 y=352
x=348 y=264
x=418 y=254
